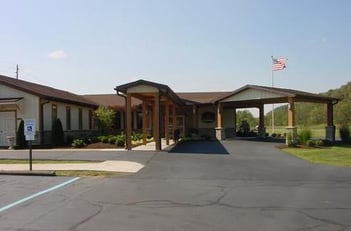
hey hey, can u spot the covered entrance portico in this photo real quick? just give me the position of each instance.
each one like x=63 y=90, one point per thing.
x=209 y=114
x=159 y=110
x=257 y=96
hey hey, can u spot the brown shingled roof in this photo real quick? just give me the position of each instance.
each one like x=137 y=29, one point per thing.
x=111 y=100
x=284 y=92
x=45 y=92
x=201 y=97
x=166 y=90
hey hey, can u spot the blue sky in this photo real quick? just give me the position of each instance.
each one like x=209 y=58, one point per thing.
x=89 y=47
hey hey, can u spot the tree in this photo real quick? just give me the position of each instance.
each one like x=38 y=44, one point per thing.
x=57 y=135
x=105 y=118
x=20 y=138
x=245 y=115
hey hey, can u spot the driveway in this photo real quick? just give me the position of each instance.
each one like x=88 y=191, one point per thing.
x=254 y=187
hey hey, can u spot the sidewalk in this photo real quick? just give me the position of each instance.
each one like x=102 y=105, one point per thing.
x=109 y=165
x=151 y=146
x=115 y=160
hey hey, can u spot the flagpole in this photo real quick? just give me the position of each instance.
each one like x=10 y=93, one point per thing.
x=277 y=64
x=272 y=105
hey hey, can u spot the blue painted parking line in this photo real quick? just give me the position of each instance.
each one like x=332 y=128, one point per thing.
x=6 y=207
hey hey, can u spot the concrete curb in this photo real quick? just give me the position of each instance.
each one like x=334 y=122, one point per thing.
x=27 y=173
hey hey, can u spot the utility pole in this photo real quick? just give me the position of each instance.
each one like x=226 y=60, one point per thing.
x=17 y=71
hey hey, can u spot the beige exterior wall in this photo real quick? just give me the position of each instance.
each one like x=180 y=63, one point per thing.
x=61 y=114
x=142 y=89
x=228 y=118
x=203 y=109
x=251 y=94
x=27 y=108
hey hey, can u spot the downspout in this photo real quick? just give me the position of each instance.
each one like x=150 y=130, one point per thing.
x=41 y=120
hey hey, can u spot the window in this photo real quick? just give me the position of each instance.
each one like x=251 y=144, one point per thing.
x=90 y=119
x=68 y=118
x=80 y=119
x=208 y=117
x=53 y=112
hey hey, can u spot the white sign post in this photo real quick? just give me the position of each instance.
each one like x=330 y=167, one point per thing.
x=29 y=132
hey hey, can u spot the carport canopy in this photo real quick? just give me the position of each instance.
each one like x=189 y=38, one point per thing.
x=258 y=96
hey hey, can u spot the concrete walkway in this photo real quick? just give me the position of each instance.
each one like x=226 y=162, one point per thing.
x=114 y=160
x=151 y=146
x=109 y=165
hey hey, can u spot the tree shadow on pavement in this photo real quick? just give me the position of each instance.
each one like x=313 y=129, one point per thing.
x=200 y=147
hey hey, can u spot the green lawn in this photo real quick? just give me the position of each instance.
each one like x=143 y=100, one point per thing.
x=85 y=173
x=337 y=155
x=318 y=131
x=25 y=161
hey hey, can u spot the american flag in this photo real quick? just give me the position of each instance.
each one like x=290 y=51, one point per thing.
x=278 y=64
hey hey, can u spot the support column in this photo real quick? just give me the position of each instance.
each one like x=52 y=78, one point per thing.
x=220 y=133
x=145 y=121
x=129 y=122
x=156 y=122
x=261 y=127
x=194 y=117
x=291 y=137
x=174 y=117
x=167 y=122
x=330 y=129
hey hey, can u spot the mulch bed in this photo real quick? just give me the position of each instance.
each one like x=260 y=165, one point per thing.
x=100 y=145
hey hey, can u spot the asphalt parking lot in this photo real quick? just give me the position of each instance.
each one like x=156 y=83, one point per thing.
x=255 y=186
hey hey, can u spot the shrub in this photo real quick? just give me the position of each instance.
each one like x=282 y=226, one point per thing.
x=137 y=136
x=345 y=133
x=289 y=140
x=320 y=142
x=112 y=140
x=104 y=139
x=149 y=137
x=274 y=135
x=120 y=141
x=78 y=143
x=20 y=138
x=94 y=139
x=57 y=135
x=310 y=143
x=305 y=135
x=105 y=118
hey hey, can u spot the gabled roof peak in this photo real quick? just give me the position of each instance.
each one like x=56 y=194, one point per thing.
x=45 y=92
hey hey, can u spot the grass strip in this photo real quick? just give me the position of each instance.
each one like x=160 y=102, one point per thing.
x=87 y=173
x=43 y=161
x=336 y=155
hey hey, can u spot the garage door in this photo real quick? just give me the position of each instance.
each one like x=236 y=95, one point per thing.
x=7 y=126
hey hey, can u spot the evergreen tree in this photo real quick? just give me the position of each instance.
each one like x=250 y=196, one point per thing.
x=57 y=135
x=20 y=138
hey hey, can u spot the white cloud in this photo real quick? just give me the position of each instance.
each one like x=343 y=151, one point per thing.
x=59 y=54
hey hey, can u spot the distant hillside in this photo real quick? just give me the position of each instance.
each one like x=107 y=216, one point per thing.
x=314 y=114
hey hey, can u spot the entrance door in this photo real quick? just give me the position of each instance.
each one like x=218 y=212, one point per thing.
x=7 y=126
